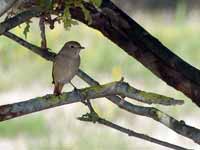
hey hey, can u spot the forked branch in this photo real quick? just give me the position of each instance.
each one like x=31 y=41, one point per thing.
x=14 y=110
x=89 y=118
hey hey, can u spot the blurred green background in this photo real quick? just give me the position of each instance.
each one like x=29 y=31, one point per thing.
x=25 y=75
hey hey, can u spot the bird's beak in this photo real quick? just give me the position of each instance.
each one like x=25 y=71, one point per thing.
x=81 y=47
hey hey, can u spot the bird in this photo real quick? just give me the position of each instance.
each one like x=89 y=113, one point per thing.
x=66 y=65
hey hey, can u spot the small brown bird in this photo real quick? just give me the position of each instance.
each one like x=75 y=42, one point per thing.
x=66 y=65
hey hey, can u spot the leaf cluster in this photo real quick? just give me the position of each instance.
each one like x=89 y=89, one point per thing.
x=54 y=7
x=66 y=18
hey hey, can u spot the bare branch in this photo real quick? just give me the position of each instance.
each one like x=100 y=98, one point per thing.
x=89 y=118
x=49 y=101
x=43 y=33
x=44 y=53
x=22 y=108
x=178 y=126
x=18 y=19
x=94 y=117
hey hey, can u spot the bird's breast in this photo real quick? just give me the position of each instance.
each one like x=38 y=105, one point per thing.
x=65 y=68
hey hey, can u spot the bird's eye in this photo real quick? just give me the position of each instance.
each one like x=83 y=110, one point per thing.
x=71 y=46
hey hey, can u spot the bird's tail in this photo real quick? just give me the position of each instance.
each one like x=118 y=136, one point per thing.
x=58 y=88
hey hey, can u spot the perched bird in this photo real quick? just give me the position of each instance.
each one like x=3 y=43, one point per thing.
x=66 y=65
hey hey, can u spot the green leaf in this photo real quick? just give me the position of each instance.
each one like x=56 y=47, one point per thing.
x=96 y=2
x=27 y=28
x=86 y=14
x=45 y=3
x=77 y=3
x=67 y=20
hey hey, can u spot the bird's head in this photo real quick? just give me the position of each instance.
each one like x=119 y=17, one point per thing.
x=71 y=48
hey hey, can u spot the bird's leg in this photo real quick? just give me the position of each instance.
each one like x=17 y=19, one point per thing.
x=58 y=88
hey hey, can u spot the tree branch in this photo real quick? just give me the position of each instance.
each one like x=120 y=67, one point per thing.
x=49 y=101
x=19 y=19
x=41 y=103
x=143 y=47
x=137 y=42
x=128 y=91
x=178 y=126
x=88 y=118
x=44 y=53
x=132 y=38
x=43 y=32
x=94 y=117
x=5 y=5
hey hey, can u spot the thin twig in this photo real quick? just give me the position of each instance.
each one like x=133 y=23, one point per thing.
x=89 y=118
x=89 y=104
x=94 y=117
x=43 y=33
x=41 y=52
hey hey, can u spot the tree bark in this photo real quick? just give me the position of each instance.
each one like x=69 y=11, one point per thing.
x=138 y=43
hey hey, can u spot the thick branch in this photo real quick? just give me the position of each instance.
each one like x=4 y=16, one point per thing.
x=49 y=101
x=132 y=38
x=153 y=113
x=40 y=103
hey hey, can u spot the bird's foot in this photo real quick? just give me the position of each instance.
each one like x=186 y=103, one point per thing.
x=57 y=94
